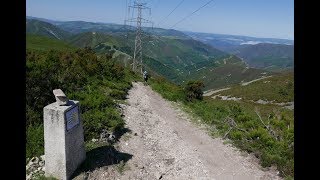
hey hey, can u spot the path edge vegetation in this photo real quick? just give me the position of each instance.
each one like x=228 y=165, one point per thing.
x=98 y=82
x=266 y=131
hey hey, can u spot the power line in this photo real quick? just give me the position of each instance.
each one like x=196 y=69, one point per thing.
x=191 y=13
x=137 y=56
x=171 y=12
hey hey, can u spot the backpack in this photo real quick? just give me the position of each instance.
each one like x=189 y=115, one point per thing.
x=145 y=74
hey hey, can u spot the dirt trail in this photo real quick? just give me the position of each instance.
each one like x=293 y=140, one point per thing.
x=246 y=83
x=210 y=92
x=165 y=144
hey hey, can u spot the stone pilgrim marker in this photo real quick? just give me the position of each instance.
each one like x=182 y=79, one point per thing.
x=63 y=137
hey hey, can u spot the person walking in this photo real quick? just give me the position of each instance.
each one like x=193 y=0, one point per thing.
x=145 y=76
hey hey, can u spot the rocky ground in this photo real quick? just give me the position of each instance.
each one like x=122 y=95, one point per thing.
x=35 y=167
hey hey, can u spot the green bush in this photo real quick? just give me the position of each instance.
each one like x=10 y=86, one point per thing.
x=82 y=76
x=93 y=100
x=193 y=90
x=244 y=118
x=236 y=135
x=268 y=159
x=94 y=121
x=235 y=110
x=118 y=94
x=34 y=141
x=283 y=92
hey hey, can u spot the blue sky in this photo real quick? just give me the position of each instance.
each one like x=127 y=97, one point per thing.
x=258 y=18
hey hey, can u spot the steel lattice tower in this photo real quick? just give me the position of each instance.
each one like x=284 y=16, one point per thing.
x=137 y=56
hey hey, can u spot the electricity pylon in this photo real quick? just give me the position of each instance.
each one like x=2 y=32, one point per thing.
x=137 y=56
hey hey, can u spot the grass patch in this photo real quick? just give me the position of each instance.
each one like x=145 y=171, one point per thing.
x=34 y=141
x=42 y=43
x=279 y=88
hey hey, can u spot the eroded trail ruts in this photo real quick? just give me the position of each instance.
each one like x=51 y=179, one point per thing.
x=168 y=146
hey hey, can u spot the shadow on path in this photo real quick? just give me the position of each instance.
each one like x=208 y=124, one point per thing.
x=100 y=157
x=121 y=132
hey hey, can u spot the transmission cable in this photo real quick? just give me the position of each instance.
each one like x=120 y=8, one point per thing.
x=191 y=14
x=171 y=12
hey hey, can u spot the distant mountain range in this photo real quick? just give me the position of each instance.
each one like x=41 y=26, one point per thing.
x=76 y=27
x=266 y=53
x=272 y=57
x=170 y=53
x=226 y=42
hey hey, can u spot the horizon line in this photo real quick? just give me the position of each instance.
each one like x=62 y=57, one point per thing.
x=290 y=39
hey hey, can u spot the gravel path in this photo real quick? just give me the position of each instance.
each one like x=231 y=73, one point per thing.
x=210 y=92
x=165 y=144
x=246 y=83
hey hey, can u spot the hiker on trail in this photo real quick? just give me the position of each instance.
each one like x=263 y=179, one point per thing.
x=145 y=76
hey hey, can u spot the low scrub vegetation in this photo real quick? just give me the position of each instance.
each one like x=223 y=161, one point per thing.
x=193 y=90
x=267 y=131
x=279 y=88
x=97 y=82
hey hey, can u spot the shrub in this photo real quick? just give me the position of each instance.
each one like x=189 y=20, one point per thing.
x=283 y=92
x=235 y=110
x=268 y=159
x=193 y=90
x=236 y=135
x=118 y=94
x=82 y=76
x=95 y=121
x=249 y=124
x=243 y=117
x=34 y=141
x=93 y=100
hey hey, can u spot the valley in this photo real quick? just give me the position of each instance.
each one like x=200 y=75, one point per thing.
x=264 y=53
x=168 y=53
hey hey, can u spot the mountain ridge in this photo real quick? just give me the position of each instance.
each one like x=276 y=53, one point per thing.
x=176 y=57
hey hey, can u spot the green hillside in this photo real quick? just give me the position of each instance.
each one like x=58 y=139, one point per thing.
x=225 y=72
x=176 y=59
x=93 y=39
x=267 y=56
x=110 y=28
x=37 y=27
x=42 y=43
x=172 y=54
x=181 y=54
x=279 y=88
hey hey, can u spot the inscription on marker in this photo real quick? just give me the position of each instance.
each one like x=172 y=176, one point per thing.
x=72 y=117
